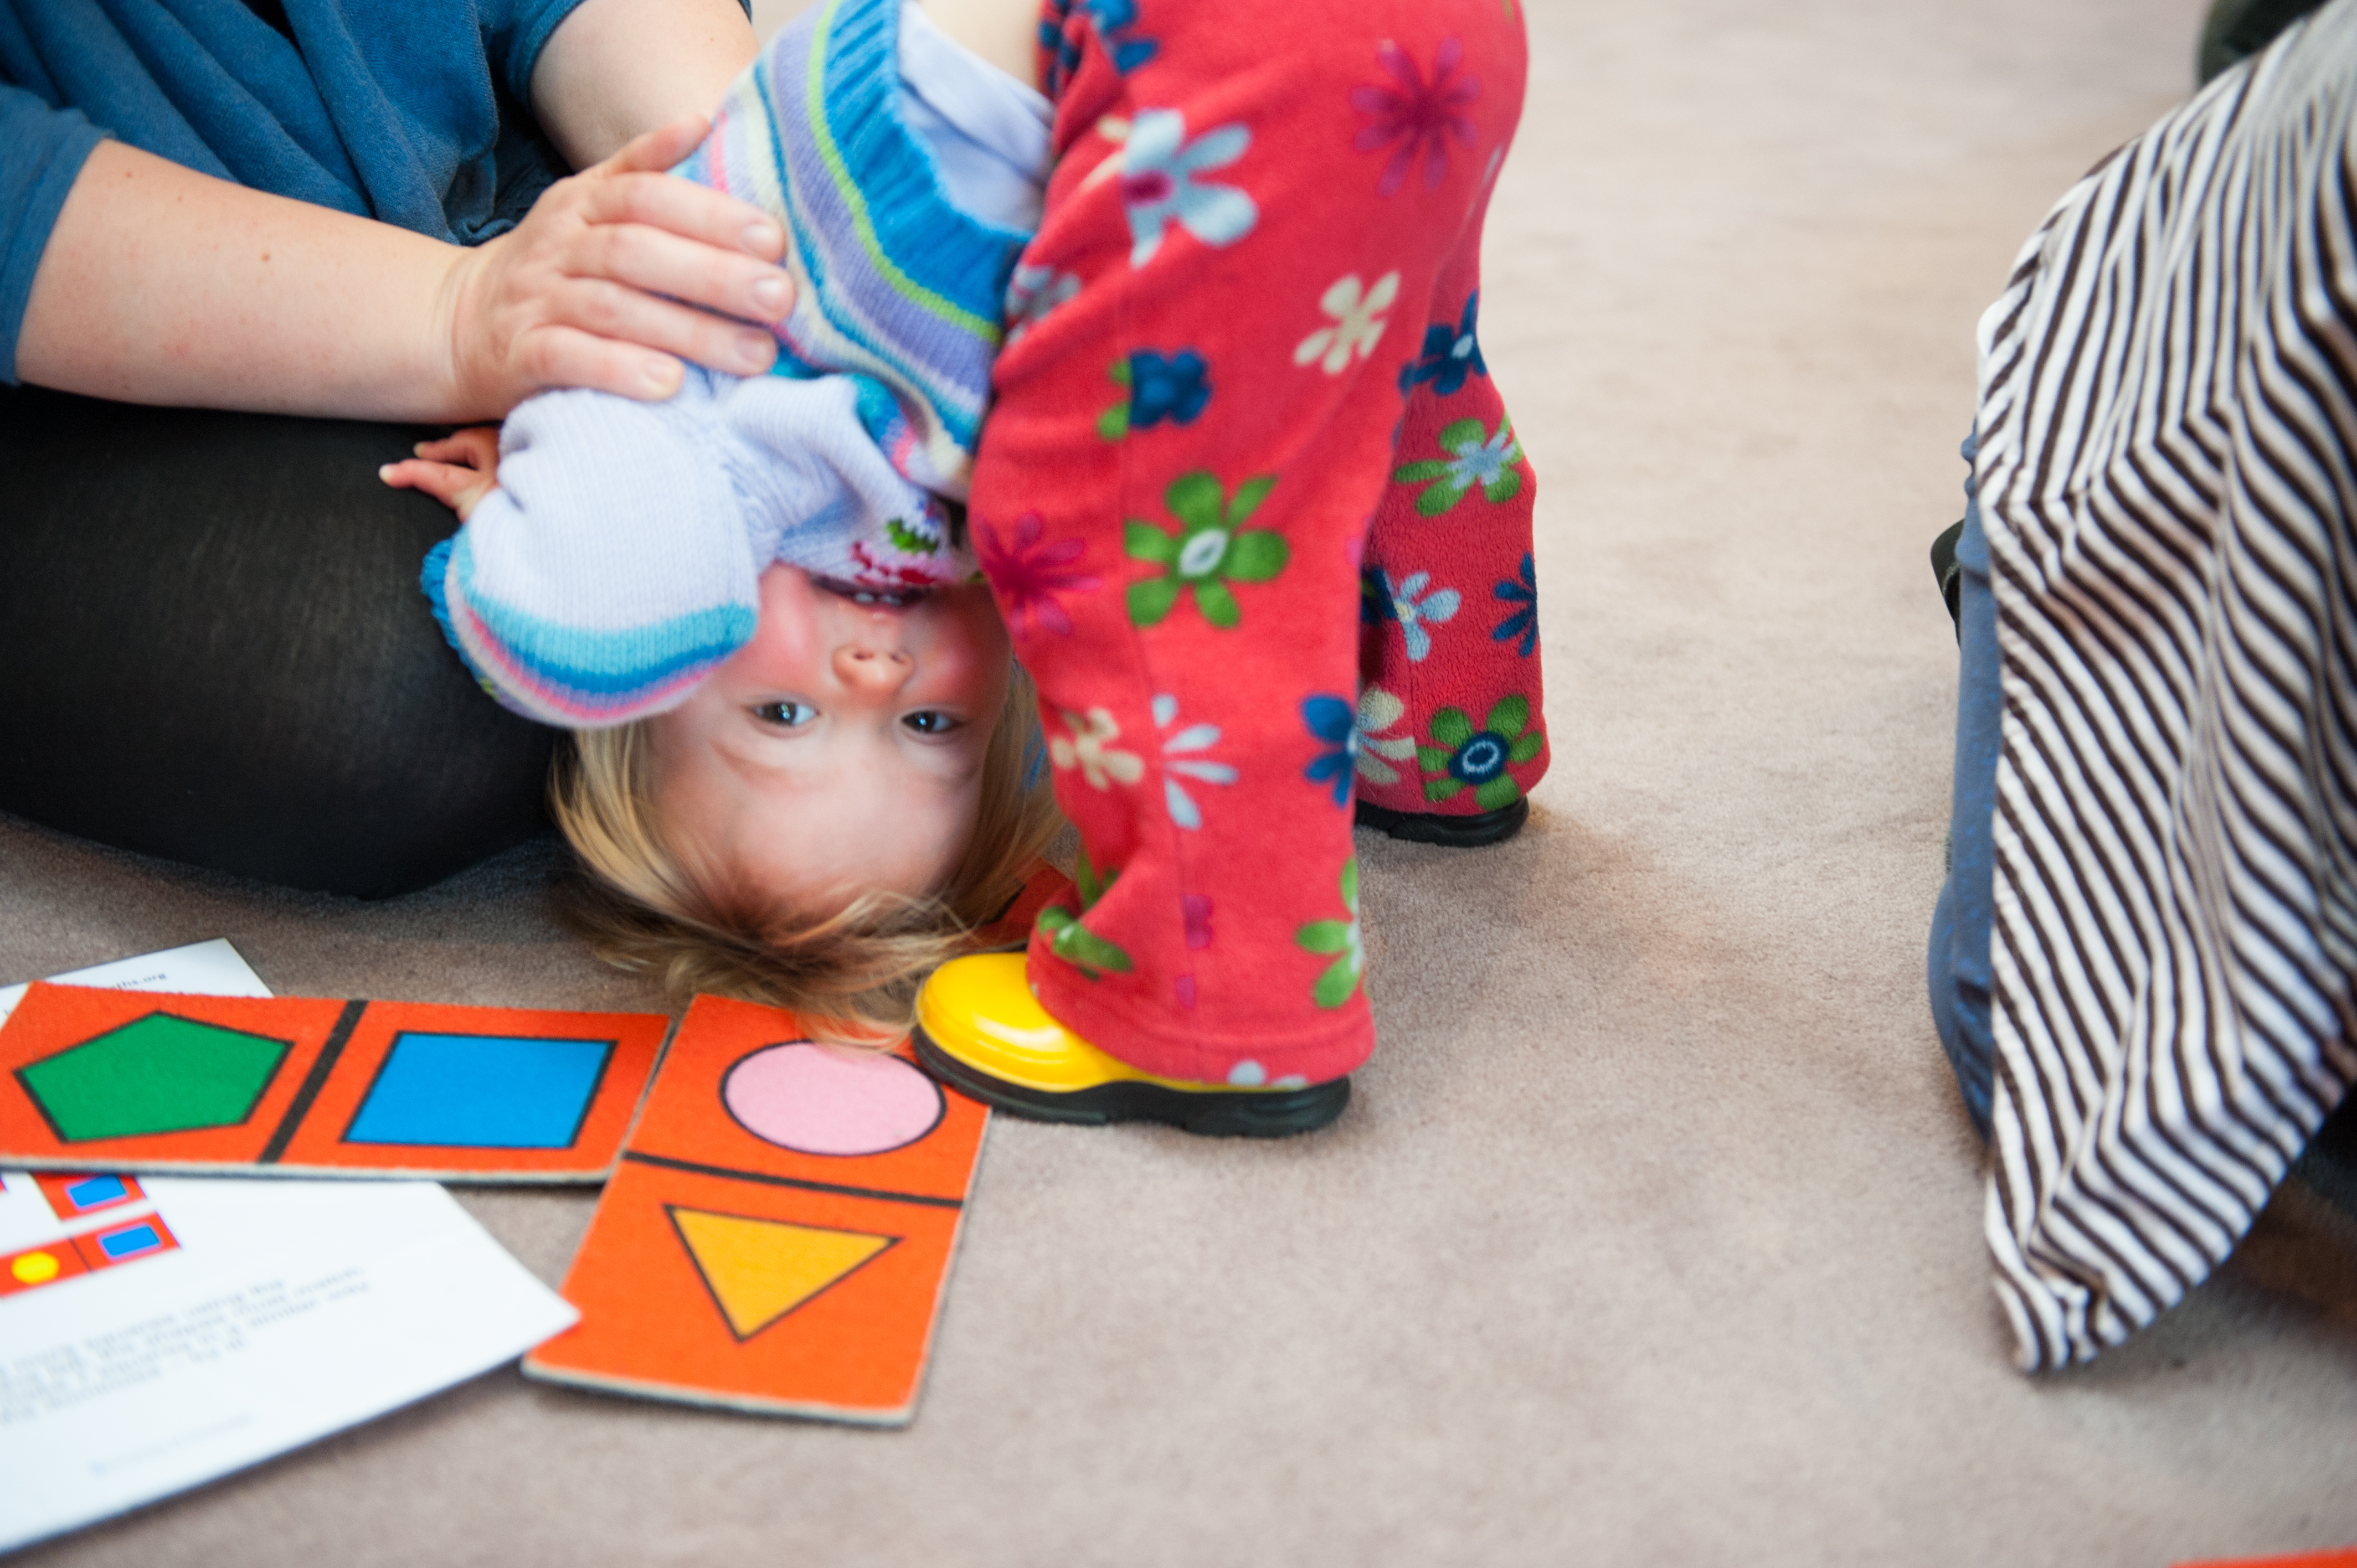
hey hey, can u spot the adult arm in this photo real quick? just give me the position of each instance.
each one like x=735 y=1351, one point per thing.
x=159 y=284
x=1004 y=32
x=599 y=82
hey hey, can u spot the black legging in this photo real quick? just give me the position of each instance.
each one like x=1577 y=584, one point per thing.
x=213 y=649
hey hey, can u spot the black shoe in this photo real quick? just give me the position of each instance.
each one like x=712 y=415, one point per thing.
x=1453 y=833
x=2329 y=1164
x=2237 y=29
x=1949 y=574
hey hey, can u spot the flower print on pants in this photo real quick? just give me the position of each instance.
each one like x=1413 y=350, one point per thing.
x=1465 y=758
x=1033 y=293
x=1158 y=183
x=1212 y=203
x=1116 y=22
x=1089 y=748
x=1212 y=548
x=1073 y=943
x=1028 y=573
x=1378 y=711
x=1358 y=322
x=1476 y=460
x=1421 y=117
x=1182 y=757
x=1409 y=603
x=1450 y=354
x=1521 y=627
x=1173 y=386
x=1333 y=722
x=1342 y=938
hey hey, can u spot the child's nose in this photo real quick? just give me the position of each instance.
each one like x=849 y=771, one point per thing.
x=871 y=668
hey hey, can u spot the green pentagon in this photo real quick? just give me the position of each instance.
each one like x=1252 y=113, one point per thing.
x=156 y=1074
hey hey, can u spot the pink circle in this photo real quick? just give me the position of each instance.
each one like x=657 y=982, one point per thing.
x=815 y=1100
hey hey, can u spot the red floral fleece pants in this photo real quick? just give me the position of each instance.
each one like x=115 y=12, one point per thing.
x=1256 y=517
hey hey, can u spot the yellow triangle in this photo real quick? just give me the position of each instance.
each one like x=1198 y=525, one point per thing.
x=760 y=1270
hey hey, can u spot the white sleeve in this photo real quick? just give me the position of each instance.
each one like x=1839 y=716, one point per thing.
x=820 y=493
x=611 y=568
x=987 y=131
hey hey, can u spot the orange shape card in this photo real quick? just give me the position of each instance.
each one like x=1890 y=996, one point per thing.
x=777 y=1234
x=297 y=1085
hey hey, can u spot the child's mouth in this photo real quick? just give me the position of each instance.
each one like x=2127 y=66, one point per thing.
x=873 y=598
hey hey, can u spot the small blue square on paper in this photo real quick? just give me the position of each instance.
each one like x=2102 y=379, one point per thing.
x=131 y=1242
x=96 y=1192
x=481 y=1092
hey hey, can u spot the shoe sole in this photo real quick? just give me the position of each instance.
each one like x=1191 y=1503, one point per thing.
x=1208 y=1114
x=1452 y=832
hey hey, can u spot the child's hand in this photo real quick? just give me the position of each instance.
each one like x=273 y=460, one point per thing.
x=459 y=471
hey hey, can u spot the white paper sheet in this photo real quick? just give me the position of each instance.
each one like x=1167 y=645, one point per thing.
x=288 y=1310
x=200 y=969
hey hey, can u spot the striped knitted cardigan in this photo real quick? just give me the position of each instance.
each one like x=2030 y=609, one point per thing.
x=618 y=565
x=892 y=280
x=2168 y=474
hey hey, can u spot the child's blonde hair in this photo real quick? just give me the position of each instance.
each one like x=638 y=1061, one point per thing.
x=642 y=907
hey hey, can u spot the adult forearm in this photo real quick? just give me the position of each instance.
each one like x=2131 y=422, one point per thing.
x=163 y=285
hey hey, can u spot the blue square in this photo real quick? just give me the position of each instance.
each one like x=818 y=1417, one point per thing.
x=130 y=1243
x=95 y=1192
x=481 y=1092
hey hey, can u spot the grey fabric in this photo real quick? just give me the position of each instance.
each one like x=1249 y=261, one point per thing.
x=1653 y=1235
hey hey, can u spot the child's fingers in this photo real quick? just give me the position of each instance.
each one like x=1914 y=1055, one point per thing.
x=458 y=470
x=443 y=481
x=437 y=479
x=476 y=446
x=457 y=488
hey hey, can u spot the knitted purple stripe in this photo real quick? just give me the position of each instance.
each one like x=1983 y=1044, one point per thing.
x=930 y=349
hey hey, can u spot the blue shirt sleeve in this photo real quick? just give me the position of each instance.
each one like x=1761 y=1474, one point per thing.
x=41 y=151
x=410 y=111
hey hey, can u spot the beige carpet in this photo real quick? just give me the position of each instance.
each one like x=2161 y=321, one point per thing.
x=1653 y=1235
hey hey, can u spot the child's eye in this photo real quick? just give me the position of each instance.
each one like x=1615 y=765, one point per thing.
x=785 y=715
x=931 y=722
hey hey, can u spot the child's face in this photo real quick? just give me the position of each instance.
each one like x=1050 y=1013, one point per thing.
x=840 y=751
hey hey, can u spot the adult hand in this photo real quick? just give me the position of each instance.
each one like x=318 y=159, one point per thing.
x=599 y=286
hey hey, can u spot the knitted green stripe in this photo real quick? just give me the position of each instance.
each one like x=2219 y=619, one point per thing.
x=863 y=224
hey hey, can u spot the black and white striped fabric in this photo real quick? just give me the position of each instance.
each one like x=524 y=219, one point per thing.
x=2168 y=475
